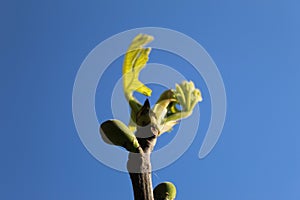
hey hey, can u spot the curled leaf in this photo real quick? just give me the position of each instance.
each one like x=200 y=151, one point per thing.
x=188 y=96
x=135 y=60
x=166 y=109
x=161 y=110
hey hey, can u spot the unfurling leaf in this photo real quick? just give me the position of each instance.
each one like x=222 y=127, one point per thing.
x=161 y=110
x=135 y=60
x=185 y=95
x=188 y=96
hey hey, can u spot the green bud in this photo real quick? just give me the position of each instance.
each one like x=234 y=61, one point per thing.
x=165 y=191
x=117 y=133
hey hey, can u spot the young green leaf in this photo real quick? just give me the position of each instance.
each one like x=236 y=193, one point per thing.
x=161 y=110
x=135 y=60
x=168 y=115
x=188 y=96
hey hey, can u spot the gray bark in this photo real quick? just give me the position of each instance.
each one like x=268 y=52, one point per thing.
x=139 y=166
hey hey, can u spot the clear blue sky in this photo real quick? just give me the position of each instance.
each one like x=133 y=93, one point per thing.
x=255 y=45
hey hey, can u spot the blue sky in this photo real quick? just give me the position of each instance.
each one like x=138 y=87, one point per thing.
x=255 y=45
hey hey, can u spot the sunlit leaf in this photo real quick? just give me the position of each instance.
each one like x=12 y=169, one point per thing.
x=135 y=60
x=188 y=96
x=166 y=109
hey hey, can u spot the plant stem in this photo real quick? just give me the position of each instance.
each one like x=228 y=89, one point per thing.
x=141 y=182
x=139 y=167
